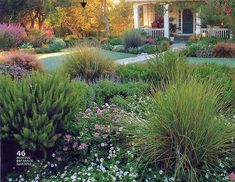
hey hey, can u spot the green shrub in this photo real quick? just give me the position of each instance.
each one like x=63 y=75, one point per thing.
x=148 y=48
x=185 y=133
x=88 y=64
x=71 y=40
x=7 y=41
x=199 y=46
x=163 y=45
x=35 y=109
x=115 y=41
x=106 y=90
x=132 y=38
x=57 y=42
x=134 y=50
x=134 y=72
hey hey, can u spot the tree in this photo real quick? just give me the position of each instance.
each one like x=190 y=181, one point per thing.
x=29 y=11
x=121 y=17
x=219 y=13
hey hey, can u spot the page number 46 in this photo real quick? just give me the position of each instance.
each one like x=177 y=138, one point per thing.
x=21 y=153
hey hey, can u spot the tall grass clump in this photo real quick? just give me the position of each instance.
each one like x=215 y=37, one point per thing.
x=132 y=38
x=89 y=64
x=185 y=133
x=166 y=67
x=34 y=110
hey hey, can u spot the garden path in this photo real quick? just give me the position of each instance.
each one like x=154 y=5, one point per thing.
x=145 y=57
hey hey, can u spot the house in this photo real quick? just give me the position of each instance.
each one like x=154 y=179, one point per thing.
x=164 y=18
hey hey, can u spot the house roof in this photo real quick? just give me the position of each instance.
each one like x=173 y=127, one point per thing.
x=160 y=1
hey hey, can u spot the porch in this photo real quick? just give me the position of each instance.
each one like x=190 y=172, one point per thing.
x=165 y=20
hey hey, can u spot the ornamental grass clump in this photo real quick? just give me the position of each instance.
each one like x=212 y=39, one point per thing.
x=166 y=67
x=35 y=109
x=89 y=64
x=185 y=133
x=132 y=39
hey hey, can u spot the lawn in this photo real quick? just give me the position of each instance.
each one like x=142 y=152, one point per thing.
x=223 y=61
x=54 y=60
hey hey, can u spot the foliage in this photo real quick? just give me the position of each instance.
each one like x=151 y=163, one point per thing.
x=6 y=40
x=218 y=12
x=15 y=30
x=163 y=45
x=88 y=64
x=134 y=72
x=14 y=71
x=55 y=45
x=166 y=67
x=57 y=42
x=24 y=60
x=121 y=18
x=166 y=136
x=134 y=50
x=71 y=40
x=115 y=41
x=225 y=49
x=44 y=103
x=106 y=90
x=37 y=38
x=132 y=38
x=219 y=75
x=149 y=40
x=148 y=48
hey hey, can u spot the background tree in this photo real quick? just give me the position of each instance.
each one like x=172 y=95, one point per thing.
x=121 y=17
x=219 y=13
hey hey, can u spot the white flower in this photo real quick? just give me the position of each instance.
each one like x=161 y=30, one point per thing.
x=102 y=144
x=73 y=177
x=101 y=160
x=207 y=176
x=114 y=178
x=53 y=155
x=10 y=179
x=161 y=172
x=221 y=165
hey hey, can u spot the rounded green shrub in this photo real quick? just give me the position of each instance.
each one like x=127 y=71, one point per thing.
x=185 y=132
x=163 y=45
x=7 y=41
x=35 y=109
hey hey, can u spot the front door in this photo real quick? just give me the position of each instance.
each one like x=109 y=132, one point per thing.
x=187 y=21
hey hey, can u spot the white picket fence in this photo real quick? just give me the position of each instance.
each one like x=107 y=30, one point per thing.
x=154 y=32
x=217 y=32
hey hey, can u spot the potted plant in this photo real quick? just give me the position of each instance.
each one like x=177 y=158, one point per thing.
x=172 y=31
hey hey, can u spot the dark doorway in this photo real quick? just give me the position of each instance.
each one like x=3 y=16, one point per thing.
x=187 y=21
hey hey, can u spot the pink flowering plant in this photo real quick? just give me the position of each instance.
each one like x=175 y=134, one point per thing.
x=15 y=30
x=91 y=132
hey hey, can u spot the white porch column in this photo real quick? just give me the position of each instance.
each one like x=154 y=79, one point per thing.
x=166 y=20
x=136 y=15
x=198 y=24
x=145 y=15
